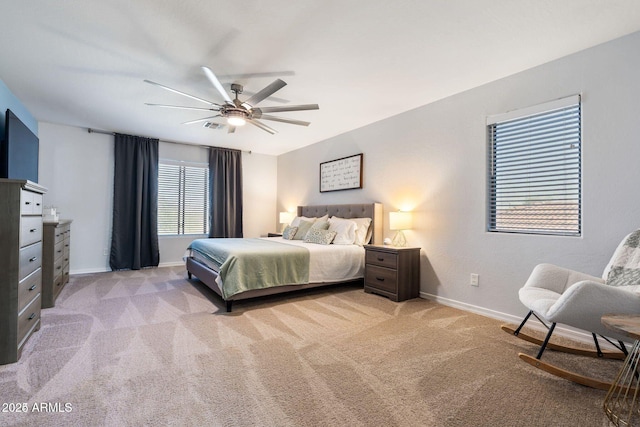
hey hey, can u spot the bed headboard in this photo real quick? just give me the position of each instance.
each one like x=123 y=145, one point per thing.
x=365 y=210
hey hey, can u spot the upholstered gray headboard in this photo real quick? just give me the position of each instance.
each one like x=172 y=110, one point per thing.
x=365 y=210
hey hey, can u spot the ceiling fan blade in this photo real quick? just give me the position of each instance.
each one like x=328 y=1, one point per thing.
x=200 y=120
x=262 y=126
x=216 y=83
x=266 y=92
x=287 y=108
x=283 y=120
x=181 y=93
x=270 y=98
x=183 y=108
x=258 y=75
x=232 y=129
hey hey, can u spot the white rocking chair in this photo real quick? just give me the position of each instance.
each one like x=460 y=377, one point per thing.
x=559 y=295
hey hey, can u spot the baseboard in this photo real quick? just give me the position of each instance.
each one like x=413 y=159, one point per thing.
x=561 y=330
x=106 y=269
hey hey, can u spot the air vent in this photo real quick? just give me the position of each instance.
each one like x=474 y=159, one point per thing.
x=212 y=125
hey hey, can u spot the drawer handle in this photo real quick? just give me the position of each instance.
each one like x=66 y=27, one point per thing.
x=58 y=268
x=59 y=251
x=37 y=204
x=33 y=316
x=380 y=279
x=27 y=203
x=33 y=287
x=33 y=230
x=33 y=259
x=380 y=259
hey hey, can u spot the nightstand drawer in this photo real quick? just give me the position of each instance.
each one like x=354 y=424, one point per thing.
x=382 y=259
x=381 y=278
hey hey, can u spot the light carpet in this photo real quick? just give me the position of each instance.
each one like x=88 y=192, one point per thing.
x=153 y=348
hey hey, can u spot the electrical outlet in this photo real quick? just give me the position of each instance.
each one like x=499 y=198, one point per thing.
x=474 y=279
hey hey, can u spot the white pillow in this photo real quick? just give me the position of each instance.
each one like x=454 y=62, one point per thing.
x=345 y=231
x=296 y=220
x=362 y=228
x=362 y=233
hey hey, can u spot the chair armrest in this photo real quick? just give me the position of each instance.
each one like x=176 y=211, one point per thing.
x=584 y=303
x=556 y=279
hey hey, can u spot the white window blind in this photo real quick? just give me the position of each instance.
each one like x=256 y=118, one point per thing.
x=183 y=199
x=535 y=170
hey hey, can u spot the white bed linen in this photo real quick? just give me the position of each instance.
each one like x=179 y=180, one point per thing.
x=327 y=263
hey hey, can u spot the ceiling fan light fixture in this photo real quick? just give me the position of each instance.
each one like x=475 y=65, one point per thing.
x=235 y=118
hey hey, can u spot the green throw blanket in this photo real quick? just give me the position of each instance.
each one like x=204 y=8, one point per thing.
x=246 y=264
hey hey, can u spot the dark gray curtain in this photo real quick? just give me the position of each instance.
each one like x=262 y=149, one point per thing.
x=225 y=187
x=134 y=239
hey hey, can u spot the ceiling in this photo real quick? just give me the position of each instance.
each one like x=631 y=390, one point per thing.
x=82 y=62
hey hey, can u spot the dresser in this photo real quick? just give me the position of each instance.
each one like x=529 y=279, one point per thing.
x=20 y=265
x=56 y=243
x=392 y=271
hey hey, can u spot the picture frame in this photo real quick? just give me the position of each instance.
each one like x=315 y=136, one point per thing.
x=341 y=174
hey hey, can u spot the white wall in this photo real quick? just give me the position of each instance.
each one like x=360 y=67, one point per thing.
x=433 y=161
x=77 y=169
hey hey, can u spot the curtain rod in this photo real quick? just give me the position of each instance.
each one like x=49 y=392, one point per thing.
x=104 y=132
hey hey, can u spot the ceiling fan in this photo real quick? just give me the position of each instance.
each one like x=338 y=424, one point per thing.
x=235 y=111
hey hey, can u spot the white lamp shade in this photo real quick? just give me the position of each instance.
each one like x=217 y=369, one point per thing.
x=286 y=217
x=400 y=220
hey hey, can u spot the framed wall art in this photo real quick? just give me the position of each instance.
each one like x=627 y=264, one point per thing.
x=341 y=174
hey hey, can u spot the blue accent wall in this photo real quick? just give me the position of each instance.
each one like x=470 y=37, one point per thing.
x=8 y=100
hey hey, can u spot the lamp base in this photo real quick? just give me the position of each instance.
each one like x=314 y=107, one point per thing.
x=399 y=240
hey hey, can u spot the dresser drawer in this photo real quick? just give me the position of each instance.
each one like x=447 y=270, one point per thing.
x=30 y=259
x=58 y=235
x=28 y=318
x=30 y=230
x=58 y=250
x=381 y=278
x=30 y=203
x=29 y=288
x=58 y=266
x=383 y=259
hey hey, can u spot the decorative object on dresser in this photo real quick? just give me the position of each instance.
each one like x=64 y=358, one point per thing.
x=392 y=271
x=56 y=241
x=20 y=264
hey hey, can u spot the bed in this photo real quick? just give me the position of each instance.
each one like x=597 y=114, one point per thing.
x=328 y=264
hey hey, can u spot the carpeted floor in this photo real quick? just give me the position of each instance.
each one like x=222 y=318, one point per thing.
x=153 y=348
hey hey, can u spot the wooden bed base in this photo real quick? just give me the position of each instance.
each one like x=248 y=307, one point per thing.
x=369 y=210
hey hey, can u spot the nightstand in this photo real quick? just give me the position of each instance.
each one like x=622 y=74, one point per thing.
x=274 y=234
x=391 y=271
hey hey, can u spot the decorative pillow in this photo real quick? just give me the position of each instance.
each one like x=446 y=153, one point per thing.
x=362 y=232
x=345 y=231
x=289 y=232
x=624 y=267
x=321 y=237
x=296 y=220
x=303 y=228
x=320 y=225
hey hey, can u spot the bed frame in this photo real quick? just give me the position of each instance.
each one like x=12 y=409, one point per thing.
x=370 y=210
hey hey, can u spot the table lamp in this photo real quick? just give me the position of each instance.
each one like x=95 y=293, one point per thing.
x=399 y=221
x=285 y=219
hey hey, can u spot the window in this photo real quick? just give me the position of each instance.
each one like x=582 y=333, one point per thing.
x=183 y=198
x=535 y=169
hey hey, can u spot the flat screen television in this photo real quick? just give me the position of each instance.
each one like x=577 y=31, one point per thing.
x=19 y=150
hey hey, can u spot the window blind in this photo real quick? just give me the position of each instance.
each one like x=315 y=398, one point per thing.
x=183 y=199
x=535 y=171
